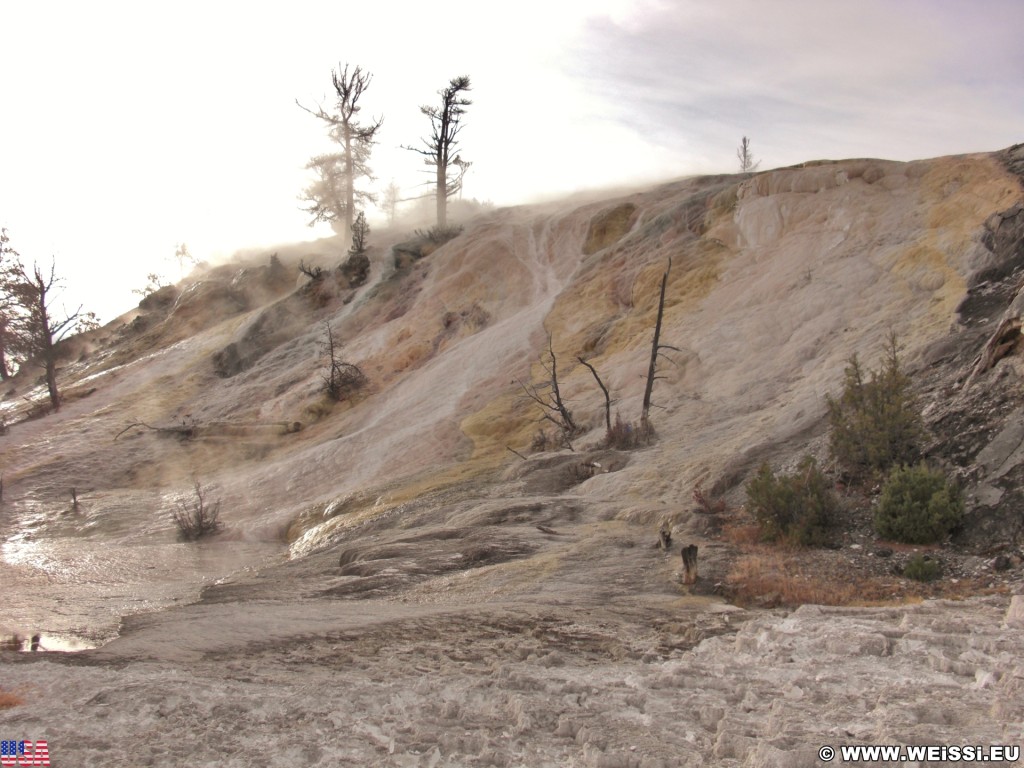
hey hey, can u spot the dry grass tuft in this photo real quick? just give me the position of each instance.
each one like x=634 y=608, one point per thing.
x=741 y=533
x=772 y=579
x=9 y=699
x=319 y=409
x=768 y=578
x=628 y=435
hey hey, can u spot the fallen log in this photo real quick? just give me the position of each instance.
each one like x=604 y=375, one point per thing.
x=190 y=430
x=182 y=430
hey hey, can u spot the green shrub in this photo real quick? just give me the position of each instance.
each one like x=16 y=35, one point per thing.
x=438 y=235
x=922 y=568
x=876 y=424
x=918 y=506
x=797 y=508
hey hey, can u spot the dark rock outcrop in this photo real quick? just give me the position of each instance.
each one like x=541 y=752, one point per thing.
x=273 y=326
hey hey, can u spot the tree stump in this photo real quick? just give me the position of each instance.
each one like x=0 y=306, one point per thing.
x=665 y=537
x=689 y=554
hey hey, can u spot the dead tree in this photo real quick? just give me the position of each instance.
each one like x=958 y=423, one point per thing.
x=1004 y=341
x=342 y=378
x=8 y=338
x=392 y=197
x=333 y=196
x=36 y=329
x=197 y=518
x=689 y=554
x=665 y=536
x=184 y=431
x=548 y=397
x=439 y=149
x=607 y=397
x=656 y=347
x=746 y=157
x=310 y=271
x=360 y=231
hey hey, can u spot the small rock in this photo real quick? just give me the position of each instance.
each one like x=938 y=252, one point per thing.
x=883 y=552
x=1000 y=563
x=1015 y=613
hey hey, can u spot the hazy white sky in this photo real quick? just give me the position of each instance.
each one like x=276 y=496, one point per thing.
x=128 y=127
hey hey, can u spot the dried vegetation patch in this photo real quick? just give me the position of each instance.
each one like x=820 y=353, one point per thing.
x=769 y=576
x=9 y=699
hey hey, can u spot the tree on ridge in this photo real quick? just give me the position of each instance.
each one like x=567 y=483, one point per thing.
x=439 y=149
x=746 y=157
x=36 y=329
x=333 y=196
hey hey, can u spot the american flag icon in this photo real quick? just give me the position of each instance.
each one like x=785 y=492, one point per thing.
x=24 y=753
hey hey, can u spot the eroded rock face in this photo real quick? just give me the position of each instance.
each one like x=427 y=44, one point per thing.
x=608 y=227
x=262 y=283
x=1004 y=238
x=972 y=394
x=160 y=300
x=269 y=328
x=208 y=299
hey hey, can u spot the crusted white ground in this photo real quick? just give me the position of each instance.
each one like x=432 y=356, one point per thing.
x=374 y=683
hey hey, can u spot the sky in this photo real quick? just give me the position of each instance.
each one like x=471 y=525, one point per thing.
x=127 y=128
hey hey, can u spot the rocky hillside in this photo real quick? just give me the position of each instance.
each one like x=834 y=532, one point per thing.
x=429 y=561
x=776 y=280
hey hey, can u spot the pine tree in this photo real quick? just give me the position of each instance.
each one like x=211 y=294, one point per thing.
x=333 y=196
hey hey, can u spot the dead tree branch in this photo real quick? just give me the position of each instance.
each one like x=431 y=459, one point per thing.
x=604 y=389
x=198 y=518
x=342 y=378
x=513 y=450
x=656 y=348
x=548 y=397
x=182 y=430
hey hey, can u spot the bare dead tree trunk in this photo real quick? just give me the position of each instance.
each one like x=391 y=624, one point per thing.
x=556 y=394
x=441 y=180
x=746 y=157
x=665 y=536
x=328 y=203
x=38 y=330
x=51 y=381
x=44 y=334
x=551 y=404
x=656 y=348
x=445 y=122
x=689 y=554
x=604 y=389
x=1001 y=343
x=342 y=378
